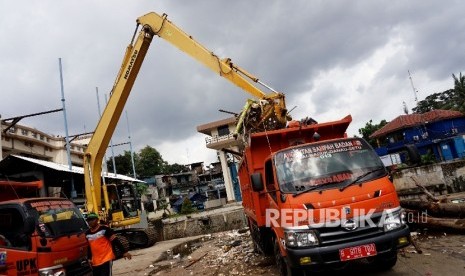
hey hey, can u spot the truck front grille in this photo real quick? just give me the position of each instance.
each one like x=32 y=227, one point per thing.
x=338 y=234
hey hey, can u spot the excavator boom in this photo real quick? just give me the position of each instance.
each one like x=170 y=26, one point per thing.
x=268 y=111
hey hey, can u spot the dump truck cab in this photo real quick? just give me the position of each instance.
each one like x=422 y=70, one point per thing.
x=42 y=236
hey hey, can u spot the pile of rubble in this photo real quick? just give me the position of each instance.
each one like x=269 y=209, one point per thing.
x=224 y=253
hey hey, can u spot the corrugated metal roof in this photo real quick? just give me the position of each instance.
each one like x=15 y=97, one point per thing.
x=406 y=121
x=74 y=169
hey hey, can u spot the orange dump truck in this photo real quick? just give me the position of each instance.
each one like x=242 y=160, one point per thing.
x=318 y=199
x=40 y=236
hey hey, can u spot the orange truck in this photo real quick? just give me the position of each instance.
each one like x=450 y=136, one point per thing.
x=319 y=200
x=40 y=236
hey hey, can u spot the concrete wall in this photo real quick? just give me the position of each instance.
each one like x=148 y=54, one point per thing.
x=440 y=179
x=203 y=223
x=215 y=203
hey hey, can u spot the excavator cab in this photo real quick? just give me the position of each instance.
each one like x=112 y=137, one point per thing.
x=123 y=201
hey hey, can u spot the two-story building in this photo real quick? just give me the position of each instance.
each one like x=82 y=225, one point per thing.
x=438 y=132
x=223 y=139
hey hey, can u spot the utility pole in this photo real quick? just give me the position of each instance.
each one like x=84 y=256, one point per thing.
x=111 y=146
x=68 y=150
x=130 y=147
x=105 y=167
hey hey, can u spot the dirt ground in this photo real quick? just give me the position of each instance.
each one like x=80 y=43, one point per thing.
x=231 y=253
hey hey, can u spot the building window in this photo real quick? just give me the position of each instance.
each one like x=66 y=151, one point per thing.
x=42 y=137
x=223 y=130
x=34 y=135
x=24 y=132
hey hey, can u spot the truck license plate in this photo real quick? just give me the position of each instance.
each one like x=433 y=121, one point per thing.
x=357 y=252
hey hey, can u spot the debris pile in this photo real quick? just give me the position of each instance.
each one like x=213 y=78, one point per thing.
x=224 y=253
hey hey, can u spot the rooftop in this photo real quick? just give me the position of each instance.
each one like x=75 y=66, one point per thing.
x=410 y=120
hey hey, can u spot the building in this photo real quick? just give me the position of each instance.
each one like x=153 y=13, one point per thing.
x=30 y=142
x=30 y=153
x=224 y=140
x=195 y=179
x=438 y=133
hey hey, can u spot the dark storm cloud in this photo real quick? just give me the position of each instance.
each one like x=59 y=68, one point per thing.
x=331 y=58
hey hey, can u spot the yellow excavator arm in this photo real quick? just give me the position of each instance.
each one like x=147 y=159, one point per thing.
x=267 y=112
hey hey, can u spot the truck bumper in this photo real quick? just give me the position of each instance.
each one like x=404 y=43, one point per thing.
x=329 y=255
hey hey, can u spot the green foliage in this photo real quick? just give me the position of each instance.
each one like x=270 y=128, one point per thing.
x=459 y=88
x=442 y=100
x=141 y=188
x=123 y=163
x=369 y=129
x=452 y=99
x=150 y=162
x=428 y=158
x=174 y=168
x=187 y=207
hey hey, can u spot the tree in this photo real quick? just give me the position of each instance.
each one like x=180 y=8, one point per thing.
x=187 y=207
x=123 y=163
x=141 y=188
x=440 y=100
x=459 y=89
x=369 y=129
x=174 y=168
x=150 y=162
x=452 y=99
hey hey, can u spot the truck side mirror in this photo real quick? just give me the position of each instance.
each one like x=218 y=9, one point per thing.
x=257 y=182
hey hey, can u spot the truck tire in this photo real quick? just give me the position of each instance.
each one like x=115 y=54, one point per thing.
x=124 y=241
x=282 y=265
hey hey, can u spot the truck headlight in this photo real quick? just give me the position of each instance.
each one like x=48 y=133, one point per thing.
x=394 y=220
x=53 y=271
x=301 y=238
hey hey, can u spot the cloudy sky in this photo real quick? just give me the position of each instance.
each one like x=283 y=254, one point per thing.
x=330 y=58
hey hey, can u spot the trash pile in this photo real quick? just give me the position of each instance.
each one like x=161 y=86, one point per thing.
x=224 y=253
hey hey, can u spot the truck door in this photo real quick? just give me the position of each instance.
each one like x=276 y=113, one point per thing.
x=17 y=256
x=271 y=186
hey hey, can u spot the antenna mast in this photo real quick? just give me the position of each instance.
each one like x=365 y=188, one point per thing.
x=413 y=87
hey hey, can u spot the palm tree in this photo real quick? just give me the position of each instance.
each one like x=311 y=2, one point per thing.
x=459 y=89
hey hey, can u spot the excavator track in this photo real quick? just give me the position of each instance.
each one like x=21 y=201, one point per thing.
x=124 y=241
x=139 y=238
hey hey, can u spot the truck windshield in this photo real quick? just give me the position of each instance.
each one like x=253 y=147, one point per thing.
x=57 y=218
x=327 y=165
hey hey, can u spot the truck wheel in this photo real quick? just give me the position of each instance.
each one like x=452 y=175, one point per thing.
x=283 y=267
x=386 y=261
